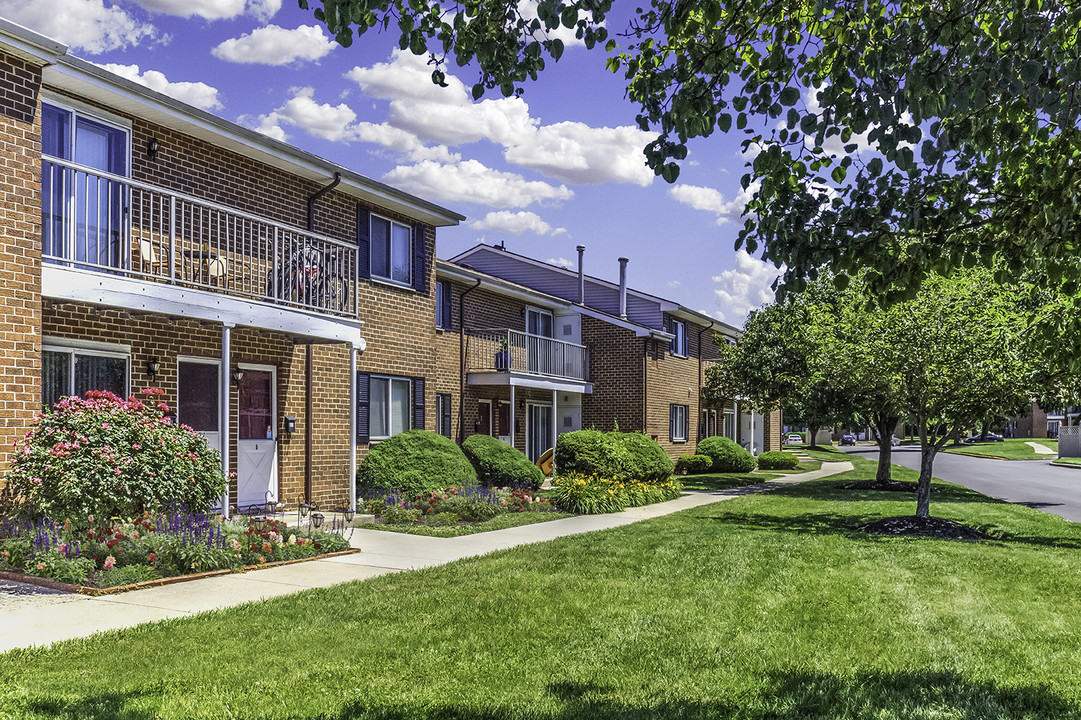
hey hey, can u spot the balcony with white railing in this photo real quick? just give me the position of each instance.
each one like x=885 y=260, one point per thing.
x=97 y=221
x=513 y=351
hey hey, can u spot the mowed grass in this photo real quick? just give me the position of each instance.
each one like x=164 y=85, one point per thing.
x=768 y=606
x=1008 y=449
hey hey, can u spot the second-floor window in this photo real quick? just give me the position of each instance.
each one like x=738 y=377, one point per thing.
x=82 y=213
x=442 y=305
x=392 y=251
x=679 y=342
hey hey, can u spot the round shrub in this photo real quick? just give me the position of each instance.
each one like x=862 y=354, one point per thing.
x=726 y=455
x=693 y=464
x=775 y=460
x=110 y=457
x=416 y=461
x=498 y=464
x=614 y=455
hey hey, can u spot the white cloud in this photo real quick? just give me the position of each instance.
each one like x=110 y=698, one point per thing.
x=577 y=153
x=198 y=94
x=561 y=261
x=528 y=10
x=83 y=24
x=673 y=283
x=329 y=122
x=273 y=45
x=744 y=288
x=214 y=9
x=712 y=201
x=516 y=222
x=568 y=151
x=472 y=181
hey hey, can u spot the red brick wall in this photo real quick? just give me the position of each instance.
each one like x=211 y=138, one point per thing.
x=20 y=249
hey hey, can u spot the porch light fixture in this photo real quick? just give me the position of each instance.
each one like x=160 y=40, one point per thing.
x=304 y=508
x=349 y=512
x=152 y=367
x=259 y=521
x=152 y=147
x=238 y=375
x=317 y=519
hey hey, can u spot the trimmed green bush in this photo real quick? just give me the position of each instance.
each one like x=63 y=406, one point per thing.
x=614 y=455
x=693 y=464
x=499 y=464
x=777 y=460
x=726 y=455
x=105 y=456
x=414 y=462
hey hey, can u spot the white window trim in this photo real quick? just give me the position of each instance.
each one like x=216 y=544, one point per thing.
x=89 y=347
x=682 y=335
x=540 y=311
x=371 y=270
x=408 y=414
x=680 y=426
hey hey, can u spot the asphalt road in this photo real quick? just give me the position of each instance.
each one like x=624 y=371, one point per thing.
x=1036 y=483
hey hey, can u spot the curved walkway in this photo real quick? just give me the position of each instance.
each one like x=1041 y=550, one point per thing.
x=30 y=615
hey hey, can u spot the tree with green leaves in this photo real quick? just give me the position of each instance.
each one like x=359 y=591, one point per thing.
x=914 y=138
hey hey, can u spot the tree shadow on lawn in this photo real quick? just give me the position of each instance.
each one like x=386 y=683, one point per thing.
x=849 y=526
x=907 y=695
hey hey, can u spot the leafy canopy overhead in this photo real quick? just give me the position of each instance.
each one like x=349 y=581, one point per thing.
x=913 y=137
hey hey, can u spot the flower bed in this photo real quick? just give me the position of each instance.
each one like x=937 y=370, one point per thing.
x=452 y=506
x=593 y=495
x=153 y=546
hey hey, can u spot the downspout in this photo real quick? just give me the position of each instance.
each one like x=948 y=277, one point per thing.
x=461 y=368
x=309 y=360
x=700 y=410
x=645 y=385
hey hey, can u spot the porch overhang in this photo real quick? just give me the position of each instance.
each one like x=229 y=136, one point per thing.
x=529 y=381
x=97 y=288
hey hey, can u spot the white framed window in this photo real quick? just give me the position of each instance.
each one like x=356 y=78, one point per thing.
x=539 y=322
x=76 y=368
x=677 y=423
x=679 y=342
x=391 y=251
x=390 y=406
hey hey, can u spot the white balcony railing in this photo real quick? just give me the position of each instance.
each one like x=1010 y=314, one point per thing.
x=515 y=351
x=100 y=221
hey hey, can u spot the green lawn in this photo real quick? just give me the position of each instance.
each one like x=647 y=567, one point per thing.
x=1008 y=449
x=768 y=606
x=1067 y=461
x=499 y=522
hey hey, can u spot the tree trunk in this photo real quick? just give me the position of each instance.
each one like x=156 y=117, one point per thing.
x=983 y=431
x=813 y=432
x=884 y=436
x=923 y=489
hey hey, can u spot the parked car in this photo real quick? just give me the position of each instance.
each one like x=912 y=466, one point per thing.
x=894 y=440
x=793 y=439
x=991 y=437
x=848 y=439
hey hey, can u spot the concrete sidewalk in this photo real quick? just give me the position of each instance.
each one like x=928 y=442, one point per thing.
x=30 y=615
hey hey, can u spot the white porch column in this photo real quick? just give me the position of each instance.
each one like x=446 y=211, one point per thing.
x=353 y=428
x=226 y=379
x=736 y=422
x=512 y=411
x=555 y=428
x=752 y=434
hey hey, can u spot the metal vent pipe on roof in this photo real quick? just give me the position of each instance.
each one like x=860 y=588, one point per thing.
x=581 y=276
x=623 y=287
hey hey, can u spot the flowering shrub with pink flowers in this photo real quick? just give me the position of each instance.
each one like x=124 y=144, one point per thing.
x=111 y=457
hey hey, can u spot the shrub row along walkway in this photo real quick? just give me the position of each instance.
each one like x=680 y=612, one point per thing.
x=36 y=616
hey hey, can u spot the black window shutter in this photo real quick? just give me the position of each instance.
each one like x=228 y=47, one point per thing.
x=420 y=277
x=445 y=420
x=418 y=403
x=448 y=321
x=363 y=399
x=364 y=232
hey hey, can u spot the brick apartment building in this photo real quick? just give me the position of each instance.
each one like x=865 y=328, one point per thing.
x=148 y=243
x=290 y=309
x=584 y=353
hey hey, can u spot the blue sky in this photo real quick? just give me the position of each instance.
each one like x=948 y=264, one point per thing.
x=559 y=167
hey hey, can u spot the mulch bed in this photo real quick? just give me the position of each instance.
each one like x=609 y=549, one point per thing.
x=932 y=527
x=891 y=486
x=157 y=582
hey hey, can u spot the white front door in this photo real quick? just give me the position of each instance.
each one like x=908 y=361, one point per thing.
x=256 y=446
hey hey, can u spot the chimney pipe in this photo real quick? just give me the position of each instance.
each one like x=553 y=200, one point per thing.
x=581 y=276
x=623 y=288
